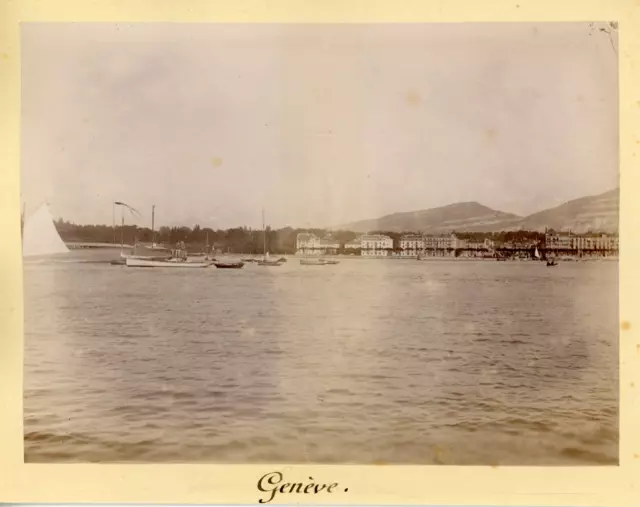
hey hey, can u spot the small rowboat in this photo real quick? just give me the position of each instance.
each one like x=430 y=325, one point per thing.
x=318 y=262
x=228 y=265
x=269 y=263
x=313 y=262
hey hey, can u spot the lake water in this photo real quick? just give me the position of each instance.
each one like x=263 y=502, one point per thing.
x=367 y=361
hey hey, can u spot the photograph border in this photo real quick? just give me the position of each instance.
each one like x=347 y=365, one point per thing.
x=358 y=485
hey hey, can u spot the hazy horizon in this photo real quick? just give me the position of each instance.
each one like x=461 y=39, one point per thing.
x=321 y=125
x=131 y=219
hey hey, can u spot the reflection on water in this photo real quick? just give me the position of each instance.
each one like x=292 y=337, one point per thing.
x=439 y=362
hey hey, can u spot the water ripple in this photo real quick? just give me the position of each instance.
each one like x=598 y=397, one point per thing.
x=373 y=361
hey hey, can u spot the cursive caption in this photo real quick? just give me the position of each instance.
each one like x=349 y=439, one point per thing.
x=272 y=484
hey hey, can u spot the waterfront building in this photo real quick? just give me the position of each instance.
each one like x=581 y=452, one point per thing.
x=586 y=243
x=329 y=246
x=354 y=244
x=411 y=245
x=602 y=242
x=307 y=244
x=310 y=244
x=485 y=244
x=376 y=245
x=414 y=245
x=475 y=245
x=558 y=241
x=441 y=242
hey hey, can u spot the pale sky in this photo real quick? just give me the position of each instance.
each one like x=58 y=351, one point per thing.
x=318 y=124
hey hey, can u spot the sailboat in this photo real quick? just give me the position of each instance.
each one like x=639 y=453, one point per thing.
x=266 y=261
x=140 y=251
x=536 y=255
x=265 y=258
x=170 y=259
x=40 y=238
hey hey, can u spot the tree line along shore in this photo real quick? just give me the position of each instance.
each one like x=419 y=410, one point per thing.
x=278 y=241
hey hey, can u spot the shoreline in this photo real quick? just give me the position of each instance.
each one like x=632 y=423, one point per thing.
x=451 y=259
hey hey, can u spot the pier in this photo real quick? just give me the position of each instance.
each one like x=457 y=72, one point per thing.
x=73 y=245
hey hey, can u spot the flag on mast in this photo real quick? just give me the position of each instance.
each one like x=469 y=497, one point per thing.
x=131 y=209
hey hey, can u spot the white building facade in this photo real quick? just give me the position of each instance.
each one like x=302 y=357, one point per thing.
x=310 y=244
x=414 y=245
x=567 y=241
x=329 y=246
x=307 y=244
x=376 y=245
x=411 y=245
x=442 y=242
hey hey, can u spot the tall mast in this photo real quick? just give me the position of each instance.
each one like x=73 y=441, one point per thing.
x=122 y=233
x=114 y=221
x=153 y=215
x=264 y=234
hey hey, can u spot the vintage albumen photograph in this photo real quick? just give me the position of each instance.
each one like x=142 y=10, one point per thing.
x=324 y=244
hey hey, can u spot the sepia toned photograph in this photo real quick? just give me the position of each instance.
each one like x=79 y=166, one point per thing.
x=316 y=243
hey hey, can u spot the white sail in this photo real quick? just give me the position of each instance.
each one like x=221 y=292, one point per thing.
x=537 y=254
x=40 y=236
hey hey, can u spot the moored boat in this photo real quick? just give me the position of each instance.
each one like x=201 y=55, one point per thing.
x=536 y=255
x=228 y=265
x=141 y=251
x=265 y=261
x=313 y=262
x=168 y=263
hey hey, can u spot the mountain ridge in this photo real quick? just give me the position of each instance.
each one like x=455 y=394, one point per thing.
x=598 y=212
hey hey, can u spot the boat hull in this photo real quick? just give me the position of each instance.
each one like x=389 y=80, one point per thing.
x=318 y=262
x=228 y=265
x=145 y=263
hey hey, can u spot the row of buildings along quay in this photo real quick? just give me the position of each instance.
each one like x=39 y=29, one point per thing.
x=450 y=245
